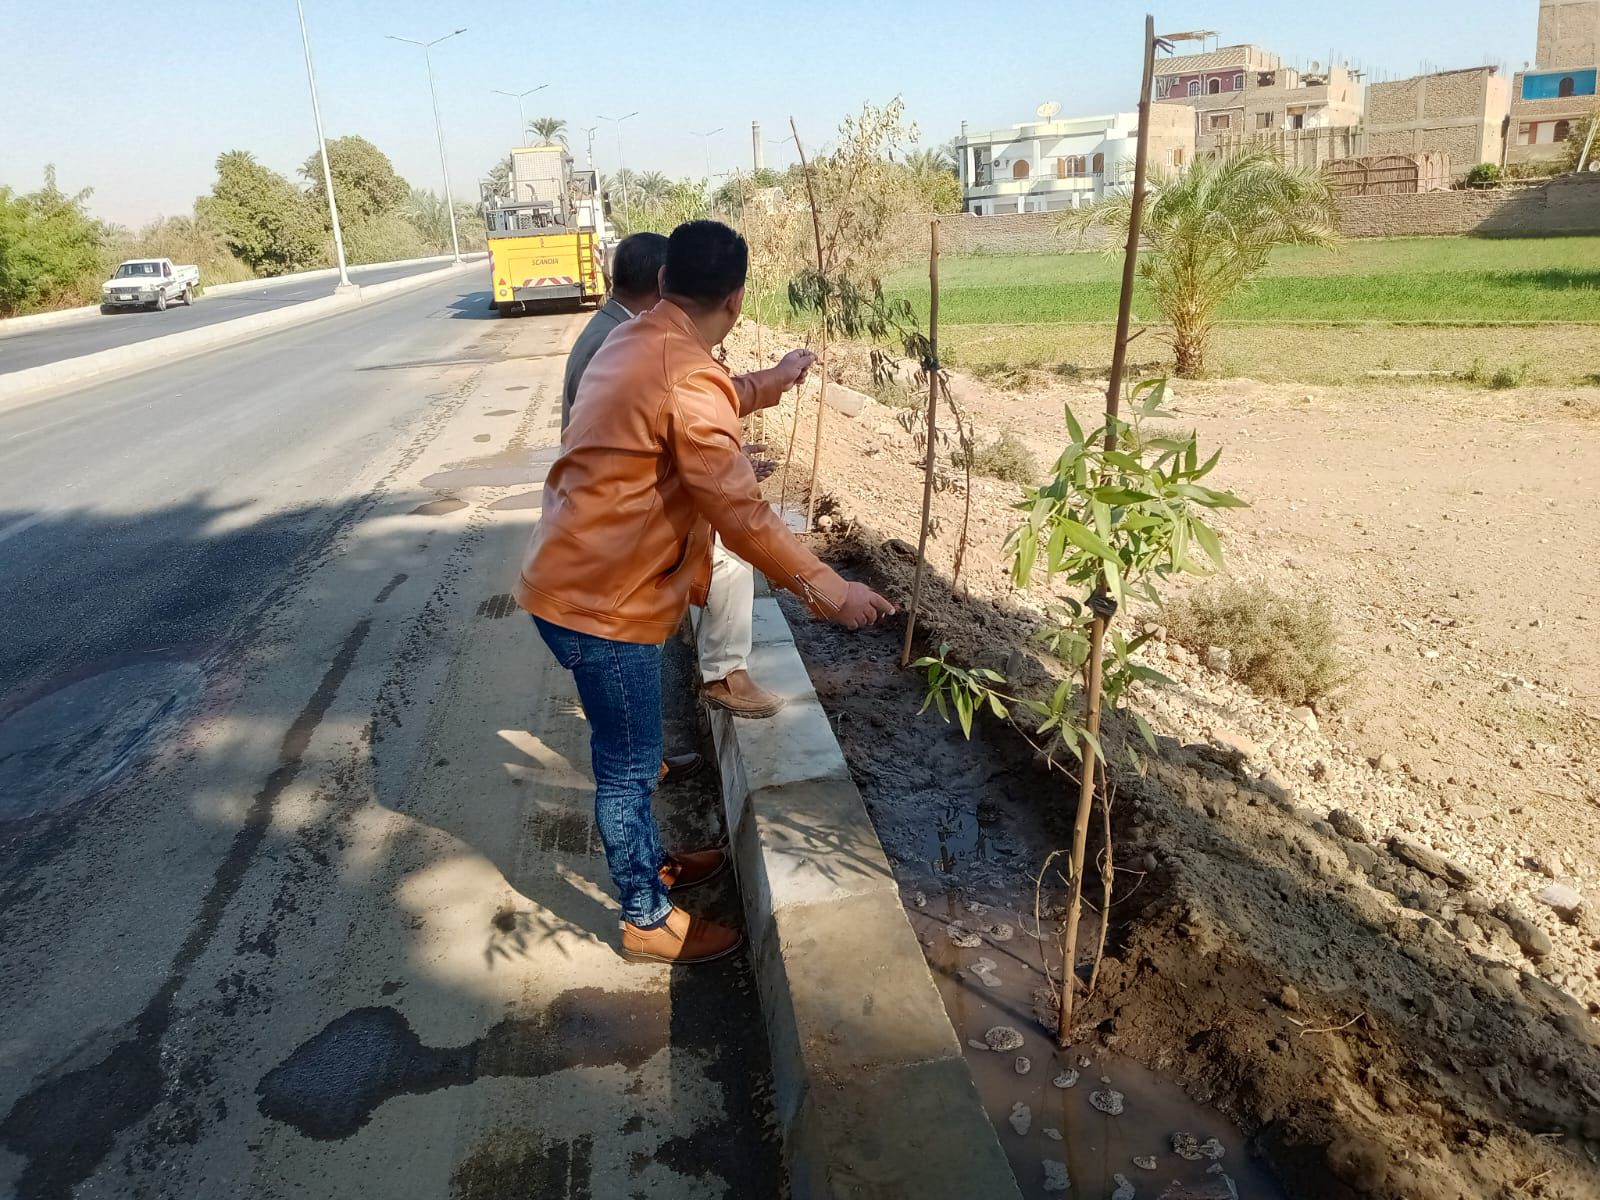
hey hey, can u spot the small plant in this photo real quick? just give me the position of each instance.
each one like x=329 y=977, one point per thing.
x=1277 y=645
x=1484 y=175
x=1112 y=523
x=1007 y=459
x=1508 y=375
x=893 y=394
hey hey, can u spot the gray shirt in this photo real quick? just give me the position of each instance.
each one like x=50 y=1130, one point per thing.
x=599 y=328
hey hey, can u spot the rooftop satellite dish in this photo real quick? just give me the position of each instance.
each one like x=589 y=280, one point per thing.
x=1048 y=109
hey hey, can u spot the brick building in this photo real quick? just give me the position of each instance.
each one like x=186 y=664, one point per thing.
x=1246 y=91
x=1548 y=101
x=1460 y=114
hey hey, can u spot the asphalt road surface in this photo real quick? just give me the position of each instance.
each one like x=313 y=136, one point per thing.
x=53 y=343
x=300 y=893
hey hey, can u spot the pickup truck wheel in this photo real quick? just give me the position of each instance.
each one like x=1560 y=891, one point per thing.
x=188 y=295
x=106 y=310
x=161 y=302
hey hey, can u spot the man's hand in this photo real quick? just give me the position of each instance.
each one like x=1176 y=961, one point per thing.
x=862 y=607
x=792 y=368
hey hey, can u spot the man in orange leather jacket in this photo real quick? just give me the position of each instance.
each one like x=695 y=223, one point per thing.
x=652 y=463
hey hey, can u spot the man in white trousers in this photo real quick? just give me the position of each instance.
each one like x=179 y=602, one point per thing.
x=725 y=624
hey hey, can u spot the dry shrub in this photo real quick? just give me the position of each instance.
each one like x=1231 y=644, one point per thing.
x=1007 y=458
x=893 y=394
x=1279 y=646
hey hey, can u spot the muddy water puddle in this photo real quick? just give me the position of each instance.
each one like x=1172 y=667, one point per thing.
x=966 y=826
x=509 y=468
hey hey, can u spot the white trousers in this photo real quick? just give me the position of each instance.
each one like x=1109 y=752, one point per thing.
x=724 y=630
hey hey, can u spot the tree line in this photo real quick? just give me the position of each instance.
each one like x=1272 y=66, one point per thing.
x=254 y=222
x=257 y=222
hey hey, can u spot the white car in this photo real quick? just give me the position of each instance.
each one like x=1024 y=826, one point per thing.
x=148 y=283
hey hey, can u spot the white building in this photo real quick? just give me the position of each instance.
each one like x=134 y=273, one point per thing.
x=1044 y=166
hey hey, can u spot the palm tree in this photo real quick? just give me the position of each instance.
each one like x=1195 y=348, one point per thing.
x=1209 y=231
x=930 y=162
x=430 y=217
x=651 y=187
x=549 y=130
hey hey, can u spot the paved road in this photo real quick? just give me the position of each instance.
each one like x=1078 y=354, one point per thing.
x=299 y=890
x=54 y=343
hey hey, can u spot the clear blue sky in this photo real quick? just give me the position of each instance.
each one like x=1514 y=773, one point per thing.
x=137 y=100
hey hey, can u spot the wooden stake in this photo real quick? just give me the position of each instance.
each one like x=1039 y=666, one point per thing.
x=931 y=460
x=822 y=346
x=1100 y=601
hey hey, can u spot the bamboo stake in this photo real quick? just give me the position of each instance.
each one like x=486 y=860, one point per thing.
x=1108 y=875
x=1101 y=603
x=822 y=351
x=932 y=367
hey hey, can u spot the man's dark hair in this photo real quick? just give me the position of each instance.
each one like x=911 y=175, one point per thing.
x=636 y=263
x=706 y=262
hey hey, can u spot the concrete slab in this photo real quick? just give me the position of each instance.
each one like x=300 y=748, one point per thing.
x=808 y=842
x=871 y=1091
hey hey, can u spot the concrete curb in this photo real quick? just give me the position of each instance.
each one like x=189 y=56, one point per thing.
x=29 y=384
x=872 y=1094
x=66 y=316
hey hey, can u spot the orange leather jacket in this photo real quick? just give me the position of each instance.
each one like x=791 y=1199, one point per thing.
x=652 y=461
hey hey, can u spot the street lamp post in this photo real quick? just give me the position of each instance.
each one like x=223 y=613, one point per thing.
x=707 y=137
x=522 y=117
x=622 y=170
x=438 y=128
x=322 y=148
x=588 y=132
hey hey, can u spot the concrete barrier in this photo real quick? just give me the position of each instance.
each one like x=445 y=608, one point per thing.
x=18 y=387
x=872 y=1093
x=65 y=316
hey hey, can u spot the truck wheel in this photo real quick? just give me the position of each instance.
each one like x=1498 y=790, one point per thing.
x=188 y=295
x=106 y=310
x=161 y=302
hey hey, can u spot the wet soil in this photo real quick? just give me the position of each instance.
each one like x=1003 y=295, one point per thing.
x=962 y=824
x=1255 y=960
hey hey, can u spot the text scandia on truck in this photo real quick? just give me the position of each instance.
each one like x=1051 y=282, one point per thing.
x=548 y=237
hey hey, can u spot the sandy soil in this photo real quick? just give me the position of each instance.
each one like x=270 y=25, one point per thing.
x=1452 y=533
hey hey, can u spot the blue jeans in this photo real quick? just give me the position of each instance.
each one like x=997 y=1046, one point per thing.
x=620 y=686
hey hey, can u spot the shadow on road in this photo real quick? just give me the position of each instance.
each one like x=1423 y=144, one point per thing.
x=224 y=958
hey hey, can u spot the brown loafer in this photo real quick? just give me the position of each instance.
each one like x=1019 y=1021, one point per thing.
x=679 y=940
x=678 y=767
x=740 y=695
x=693 y=867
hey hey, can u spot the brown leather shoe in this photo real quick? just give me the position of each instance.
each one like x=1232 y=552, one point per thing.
x=678 y=767
x=693 y=867
x=740 y=695
x=679 y=940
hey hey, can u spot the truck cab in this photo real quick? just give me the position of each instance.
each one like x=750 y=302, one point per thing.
x=148 y=283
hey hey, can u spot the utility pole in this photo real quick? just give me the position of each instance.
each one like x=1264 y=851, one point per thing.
x=322 y=149
x=707 y=137
x=756 y=152
x=522 y=117
x=438 y=129
x=622 y=170
x=588 y=132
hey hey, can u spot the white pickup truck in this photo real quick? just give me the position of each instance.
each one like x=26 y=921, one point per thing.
x=148 y=283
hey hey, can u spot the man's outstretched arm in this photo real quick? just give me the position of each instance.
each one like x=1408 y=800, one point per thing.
x=763 y=389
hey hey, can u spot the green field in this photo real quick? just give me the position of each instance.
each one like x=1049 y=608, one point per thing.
x=1433 y=280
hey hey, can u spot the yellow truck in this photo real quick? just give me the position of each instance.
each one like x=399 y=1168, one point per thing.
x=547 y=238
